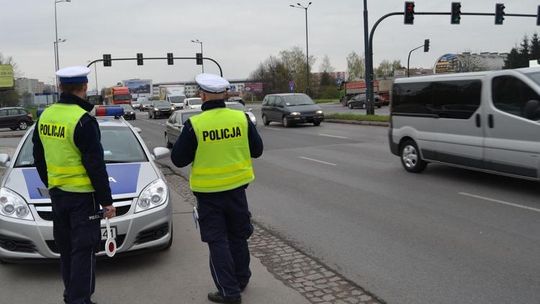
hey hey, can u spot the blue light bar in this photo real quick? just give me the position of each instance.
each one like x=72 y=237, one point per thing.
x=109 y=111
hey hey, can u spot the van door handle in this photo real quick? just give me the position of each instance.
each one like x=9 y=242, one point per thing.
x=478 y=120
x=491 y=124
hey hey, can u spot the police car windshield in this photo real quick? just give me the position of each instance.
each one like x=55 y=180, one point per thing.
x=119 y=146
x=235 y=106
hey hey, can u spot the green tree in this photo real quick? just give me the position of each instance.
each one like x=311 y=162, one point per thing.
x=9 y=97
x=355 y=66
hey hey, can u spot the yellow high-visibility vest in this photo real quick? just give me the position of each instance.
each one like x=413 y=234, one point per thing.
x=56 y=129
x=223 y=159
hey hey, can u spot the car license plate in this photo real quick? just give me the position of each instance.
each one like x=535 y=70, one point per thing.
x=104 y=233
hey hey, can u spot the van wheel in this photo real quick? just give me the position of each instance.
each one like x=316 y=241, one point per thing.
x=13 y=128
x=316 y=123
x=266 y=122
x=23 y=125
x=351 y=106
x=410 y=157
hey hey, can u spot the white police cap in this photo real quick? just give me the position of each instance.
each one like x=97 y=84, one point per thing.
x=212 y=83
x=74 y=74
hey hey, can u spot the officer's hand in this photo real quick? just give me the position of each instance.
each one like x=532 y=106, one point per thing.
x=110 y=211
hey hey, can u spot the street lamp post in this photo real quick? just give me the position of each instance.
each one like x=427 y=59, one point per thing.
x=370 y=109
x=200 y=42
x=55 y=46
x=305 y=8
x=57 y=60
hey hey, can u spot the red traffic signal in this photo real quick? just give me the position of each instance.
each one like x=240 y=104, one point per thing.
x=409 y=12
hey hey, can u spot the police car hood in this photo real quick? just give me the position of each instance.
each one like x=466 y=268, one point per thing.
x=126 y=180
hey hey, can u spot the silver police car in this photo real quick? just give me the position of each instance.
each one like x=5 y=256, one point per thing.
x=140 y=195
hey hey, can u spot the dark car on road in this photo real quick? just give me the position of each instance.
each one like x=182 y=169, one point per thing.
x=160 y=108
x=144 y=105
x=129 y=112
x=359 y=101
x=290 y=109
x=175 y=123
x=15 y=118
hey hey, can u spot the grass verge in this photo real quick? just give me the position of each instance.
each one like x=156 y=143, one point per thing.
x=358 y=117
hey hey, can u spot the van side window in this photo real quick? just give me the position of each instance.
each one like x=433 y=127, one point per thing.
x=510 y=95
x=457 y=99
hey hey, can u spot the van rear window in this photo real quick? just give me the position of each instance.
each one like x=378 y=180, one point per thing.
x=457 y=99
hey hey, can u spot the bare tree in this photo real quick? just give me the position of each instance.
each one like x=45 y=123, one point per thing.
x=355 y=66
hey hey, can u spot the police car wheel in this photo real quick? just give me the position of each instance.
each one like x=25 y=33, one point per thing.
x=169 y=244
x=167 y=142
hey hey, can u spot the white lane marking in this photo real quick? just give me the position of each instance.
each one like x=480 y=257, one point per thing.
x=275 y=129
x=499 y=201
x=318 y=161
x=333 y=136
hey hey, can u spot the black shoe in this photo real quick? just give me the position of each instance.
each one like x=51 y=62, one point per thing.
x=216 y=297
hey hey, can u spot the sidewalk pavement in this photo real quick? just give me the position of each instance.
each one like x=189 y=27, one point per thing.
x=181 y=274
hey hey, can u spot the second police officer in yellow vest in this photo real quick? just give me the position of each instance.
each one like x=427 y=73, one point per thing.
x=220 y=143
x=69 y=158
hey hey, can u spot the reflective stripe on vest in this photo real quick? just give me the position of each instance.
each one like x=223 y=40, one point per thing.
x=222 y=160
x=56 y=129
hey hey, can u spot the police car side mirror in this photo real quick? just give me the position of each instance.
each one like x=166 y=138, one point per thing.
x=4 y=160
x=160 y=152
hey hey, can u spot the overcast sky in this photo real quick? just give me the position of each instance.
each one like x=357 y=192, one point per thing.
x=239 y=33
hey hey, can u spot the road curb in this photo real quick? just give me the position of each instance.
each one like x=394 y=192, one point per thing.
x=362 y=123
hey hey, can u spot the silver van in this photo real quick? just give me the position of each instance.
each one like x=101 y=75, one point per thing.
x=487 y=121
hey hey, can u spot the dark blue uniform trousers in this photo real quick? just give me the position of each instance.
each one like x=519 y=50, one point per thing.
x=225 y=223
x=77 y=237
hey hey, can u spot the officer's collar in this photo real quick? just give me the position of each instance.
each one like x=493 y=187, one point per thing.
x=213 y=104
x=73 y=99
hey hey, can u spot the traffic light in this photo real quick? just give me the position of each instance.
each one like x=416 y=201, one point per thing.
x=499 y=13
x=139 y=59
x=199 y=59
x=409 y=12
x=426 y=45
x=170 y=59
x=456 y=13
x=107 y=60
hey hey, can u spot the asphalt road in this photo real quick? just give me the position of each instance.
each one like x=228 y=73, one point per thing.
x=445 y=236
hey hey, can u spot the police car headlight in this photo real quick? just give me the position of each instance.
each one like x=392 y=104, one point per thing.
x=152 y=196
x=13 y=205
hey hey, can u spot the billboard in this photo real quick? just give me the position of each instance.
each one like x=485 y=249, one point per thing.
x=6 y=76
x=139 y=87
x=255 y=87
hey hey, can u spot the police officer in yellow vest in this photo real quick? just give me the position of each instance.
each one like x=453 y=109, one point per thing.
x=69 y=158
x=220 y=143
